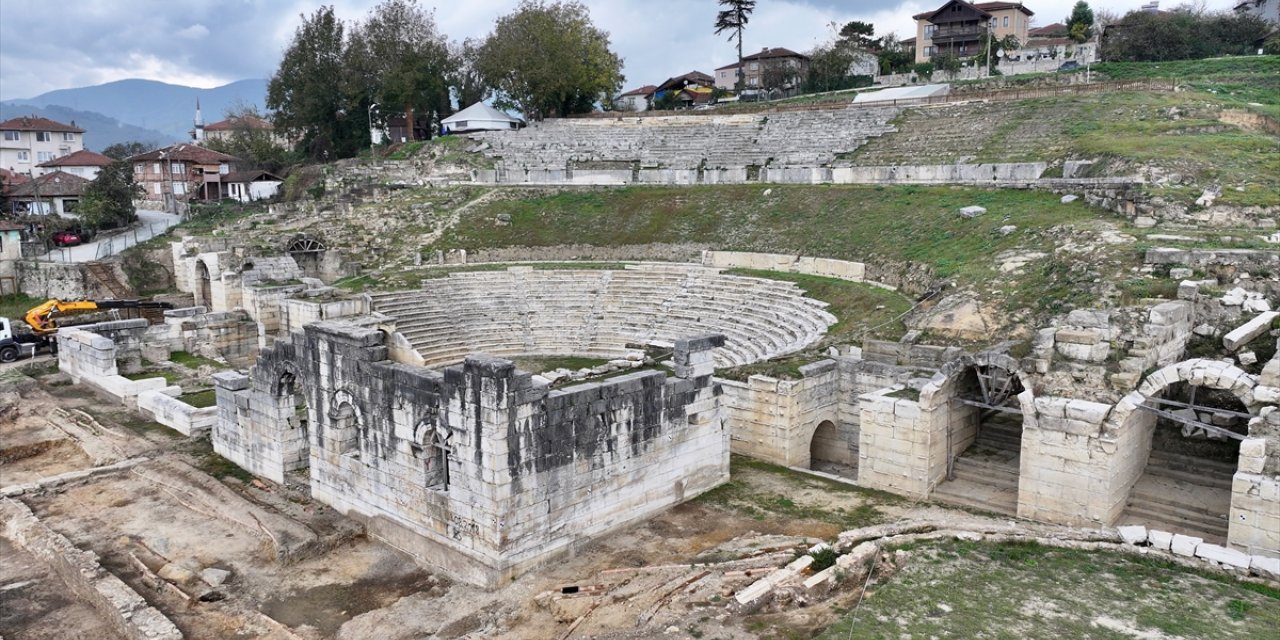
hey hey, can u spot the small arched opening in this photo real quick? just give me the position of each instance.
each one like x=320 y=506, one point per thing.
x=830 y=452
x=204 y=285
x=293 y=402
x=307 y=252
x=345 y=420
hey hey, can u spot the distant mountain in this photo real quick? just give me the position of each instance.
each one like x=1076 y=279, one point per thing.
x=167 y=108
x=99 y=131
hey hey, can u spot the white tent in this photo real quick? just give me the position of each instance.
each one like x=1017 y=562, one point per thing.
x=479 y=117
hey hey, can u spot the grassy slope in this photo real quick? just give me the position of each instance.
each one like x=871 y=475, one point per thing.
x=918 y=224
x=1031 y=591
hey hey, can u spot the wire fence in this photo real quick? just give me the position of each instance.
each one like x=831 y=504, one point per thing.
x=104 y=247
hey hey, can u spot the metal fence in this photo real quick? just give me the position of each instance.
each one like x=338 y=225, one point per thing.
x=102 y=247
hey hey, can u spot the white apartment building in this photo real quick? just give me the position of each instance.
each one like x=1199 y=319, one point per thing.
x=28 y=141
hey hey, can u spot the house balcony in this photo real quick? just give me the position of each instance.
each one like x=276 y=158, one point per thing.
x=951 y=36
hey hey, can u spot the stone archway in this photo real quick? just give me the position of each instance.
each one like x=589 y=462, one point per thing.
x=986 y=399
x=345 y=423
x=204 y=285
x=829 y=451
x=307 y=252
x=1182 y=428
x=292 y=404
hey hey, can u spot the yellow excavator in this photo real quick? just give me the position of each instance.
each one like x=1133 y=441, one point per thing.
x=44 y=322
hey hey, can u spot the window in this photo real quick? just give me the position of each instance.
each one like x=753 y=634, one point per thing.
x=929 y=29
x=755 y=66
x=176 y=168
x=156 y=187
x=44 y=136
x=928 y=51
x=1006 y=21
x=180 y=188
x=68 y=136
x=44 y=156
x=155 y=167
x=138 y=167
x=24 y=156
x=11 y=136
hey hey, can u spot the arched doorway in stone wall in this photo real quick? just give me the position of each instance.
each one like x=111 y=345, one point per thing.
x=1193 y=416
x=204 y=288
x=984 y=434
x=830 y=452
x=307 y=252
x=293 y=405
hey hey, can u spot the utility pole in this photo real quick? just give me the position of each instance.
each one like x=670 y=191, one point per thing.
x=990 y=34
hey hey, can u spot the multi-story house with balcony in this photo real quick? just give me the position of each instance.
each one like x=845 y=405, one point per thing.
x=958 y=27
x=28 y=141
x=183 y=172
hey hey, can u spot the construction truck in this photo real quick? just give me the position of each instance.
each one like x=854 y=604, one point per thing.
x=44 y=320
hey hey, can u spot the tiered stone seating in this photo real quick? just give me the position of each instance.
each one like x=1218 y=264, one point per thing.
x=599 y=312
x=793 y=138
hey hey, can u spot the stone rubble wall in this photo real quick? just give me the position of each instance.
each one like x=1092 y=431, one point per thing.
x=82 y=573
x=64 y=281
x=1007 y=174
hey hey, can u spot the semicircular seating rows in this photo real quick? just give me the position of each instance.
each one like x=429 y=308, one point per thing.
x=789 y=138
x=599 y=312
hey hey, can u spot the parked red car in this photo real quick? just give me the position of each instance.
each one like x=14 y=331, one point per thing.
x=66 y=239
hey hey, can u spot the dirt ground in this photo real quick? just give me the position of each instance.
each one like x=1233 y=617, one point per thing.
x=163 y=524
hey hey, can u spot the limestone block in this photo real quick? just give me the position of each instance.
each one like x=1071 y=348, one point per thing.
x=1180 y=273
x=1266 y=395
x=1089 y=318
x=1090 y=412
x=1133 y=534
x=1160 y=540
x=1223 y=555
x=1184 y=545
x=1245 y=333
x=1078 y=336
x=1088 y=353
x=1265 y=567
x=1188 y=290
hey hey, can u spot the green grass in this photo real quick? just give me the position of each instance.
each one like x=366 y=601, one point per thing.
x=213 y=464
x=193 y=361
x=356 y=283
x=1185 y=69
x=200 y=399
x=170 y=377
x=541 y=364
x=745 y=498
x=1033 y=591
x=856 y=304
x=16 y=305
x=865 y=223
x=206 y=218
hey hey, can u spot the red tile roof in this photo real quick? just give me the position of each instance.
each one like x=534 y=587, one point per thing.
x=646 y=90
x=983 y=8
x=776 y=52
x=81 y=158
x=1055 y=29
x=240 y=124
x=56 y=184
x=185 y=153
x=32 y=123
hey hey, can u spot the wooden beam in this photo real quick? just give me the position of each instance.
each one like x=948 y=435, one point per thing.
x=1195 y=423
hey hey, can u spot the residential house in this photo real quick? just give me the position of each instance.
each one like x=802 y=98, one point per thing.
x=181 y=173
x=57 y=192
x=1268 y=10
x=780 y=67
x=83 y=163
x=247 y=186
x=226 y=130
x=693 y=78
x=480 y=117
x=28 y=141
x=1053 y=42
x=957 y=27
x=635 y=100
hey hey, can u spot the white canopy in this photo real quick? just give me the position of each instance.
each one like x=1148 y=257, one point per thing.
x=479 y=116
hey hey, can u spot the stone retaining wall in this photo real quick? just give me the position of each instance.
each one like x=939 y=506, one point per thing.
x=128 y=613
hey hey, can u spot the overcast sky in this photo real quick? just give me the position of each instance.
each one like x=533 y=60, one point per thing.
x=57 y=44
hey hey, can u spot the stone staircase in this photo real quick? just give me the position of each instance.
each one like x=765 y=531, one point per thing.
x=1182 y=494
x=986 y=474
x=106 y=277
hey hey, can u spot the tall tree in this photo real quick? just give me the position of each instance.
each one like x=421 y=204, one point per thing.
x=122 y=150
x=307 y=91
x=250 y=141
x=108 y=199
x=402 y=61
x=733 y=18
x=548 y=59
x=468 y=85
x=859 y=35
x=1080 y=24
